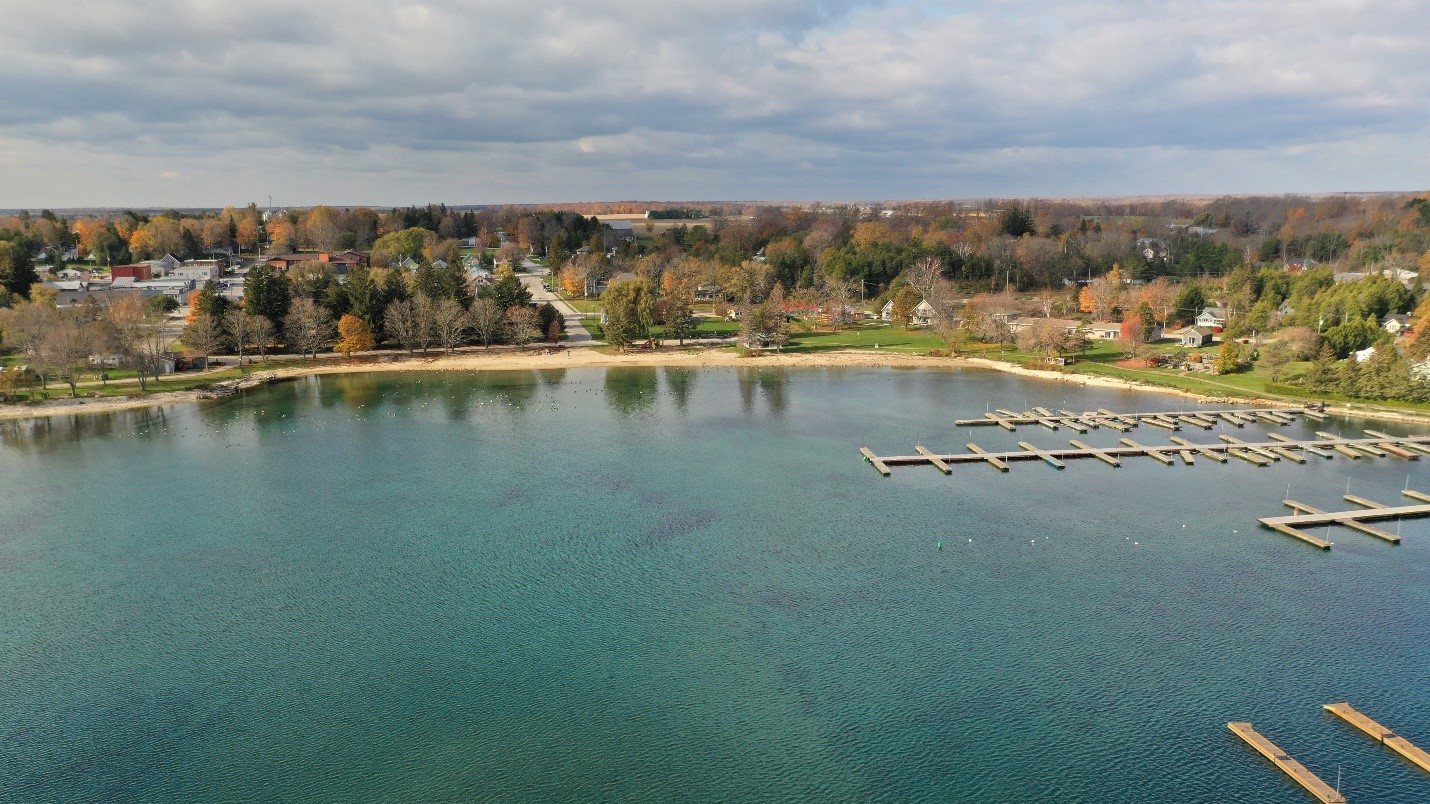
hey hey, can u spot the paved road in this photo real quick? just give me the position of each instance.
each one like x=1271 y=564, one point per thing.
x=576 y=335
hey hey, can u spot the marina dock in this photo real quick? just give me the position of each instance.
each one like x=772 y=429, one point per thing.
x=1261 y=453
x=1167 y=419
x=1381 y=734
x=1298 y=772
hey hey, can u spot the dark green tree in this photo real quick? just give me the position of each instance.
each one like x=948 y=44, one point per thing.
x=17 y=273
x=1322 y=377
x=1190 y=302
x=509 y=292
x=267 y=293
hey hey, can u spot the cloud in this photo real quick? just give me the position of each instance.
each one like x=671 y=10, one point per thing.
x=493 y=101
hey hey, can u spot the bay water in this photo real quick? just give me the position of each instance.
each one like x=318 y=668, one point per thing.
x=674 y=584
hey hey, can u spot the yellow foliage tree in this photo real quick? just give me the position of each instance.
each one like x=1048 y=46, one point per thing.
x=870 y=232
x=354 y=335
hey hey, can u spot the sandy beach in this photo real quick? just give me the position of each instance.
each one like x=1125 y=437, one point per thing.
x=518 y=359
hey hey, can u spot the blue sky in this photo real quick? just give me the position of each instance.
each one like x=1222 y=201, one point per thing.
x=209 y=102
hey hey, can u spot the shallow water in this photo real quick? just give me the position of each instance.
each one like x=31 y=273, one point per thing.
x=681 y=585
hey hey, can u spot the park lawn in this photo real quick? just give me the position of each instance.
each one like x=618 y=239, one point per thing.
x=876 y=336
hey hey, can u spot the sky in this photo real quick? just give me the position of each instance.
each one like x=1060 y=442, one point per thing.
x=203 y=103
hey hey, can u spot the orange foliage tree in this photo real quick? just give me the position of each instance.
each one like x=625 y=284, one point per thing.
x=354 y=335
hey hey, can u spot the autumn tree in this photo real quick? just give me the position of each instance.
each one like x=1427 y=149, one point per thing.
x=1228 y=357
x=905 y=302
x=1046 y=335
x=1101 y=297
x=354 y=335
x=1159 y=295
x=1133 y=335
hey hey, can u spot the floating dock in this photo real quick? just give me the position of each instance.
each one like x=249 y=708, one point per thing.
x=1305 y=512
x=1168 y=419
x=1261 y=453
x=1298 y=772
x=1309 y=516
x=1384 y=736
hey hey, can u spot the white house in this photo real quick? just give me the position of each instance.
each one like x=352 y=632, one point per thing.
x=1192 y=337
x=1396 y=323
x=1103 y=331
x=1214 y=317
x=1364 y=354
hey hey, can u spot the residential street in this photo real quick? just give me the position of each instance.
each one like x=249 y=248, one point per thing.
x=576 y=335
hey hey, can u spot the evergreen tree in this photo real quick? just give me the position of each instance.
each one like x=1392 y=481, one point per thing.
x=267 y=293
x=1349 y=381
x=509 y=292
x=1322 y=378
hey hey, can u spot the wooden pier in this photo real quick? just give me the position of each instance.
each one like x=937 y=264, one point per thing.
x=1261 y=453
x=1170 y=420
x=1310 y=516
x=1384 y=736
x=1298 y=519
x=1298 y=772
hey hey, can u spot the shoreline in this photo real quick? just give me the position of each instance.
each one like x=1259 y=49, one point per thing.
x=513 y=360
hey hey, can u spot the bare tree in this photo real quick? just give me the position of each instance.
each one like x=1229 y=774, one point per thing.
x=246 y=328
x=400 y=320
x=138 y=331
x=308 y=327
x=486 y=318
x=525 y=325
x=450 y=323
x=66 y=348
x=204 y=335
x=425 y=315
x=1046 y=335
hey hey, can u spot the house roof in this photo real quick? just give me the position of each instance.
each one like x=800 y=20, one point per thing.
x=1218 y=312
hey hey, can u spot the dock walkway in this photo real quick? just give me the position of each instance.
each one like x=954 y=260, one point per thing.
x=1263 y=452
x=1298 y=772
x=1385 y=736
x=1168 y=419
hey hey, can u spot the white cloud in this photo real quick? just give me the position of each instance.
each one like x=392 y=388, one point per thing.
x=362 y=101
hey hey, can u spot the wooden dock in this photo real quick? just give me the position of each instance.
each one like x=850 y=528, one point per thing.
x=1298 y=772
x=937 y=464
x=1303 y=511
x=1384 y=736
x=1168 y=419
x=874 y=461
x=1261 y=453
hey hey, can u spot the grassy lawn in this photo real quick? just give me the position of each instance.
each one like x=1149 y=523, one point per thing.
x=580 y=305
x=869 y=336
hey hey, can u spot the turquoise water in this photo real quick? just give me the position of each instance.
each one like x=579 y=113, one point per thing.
x=647 y=585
